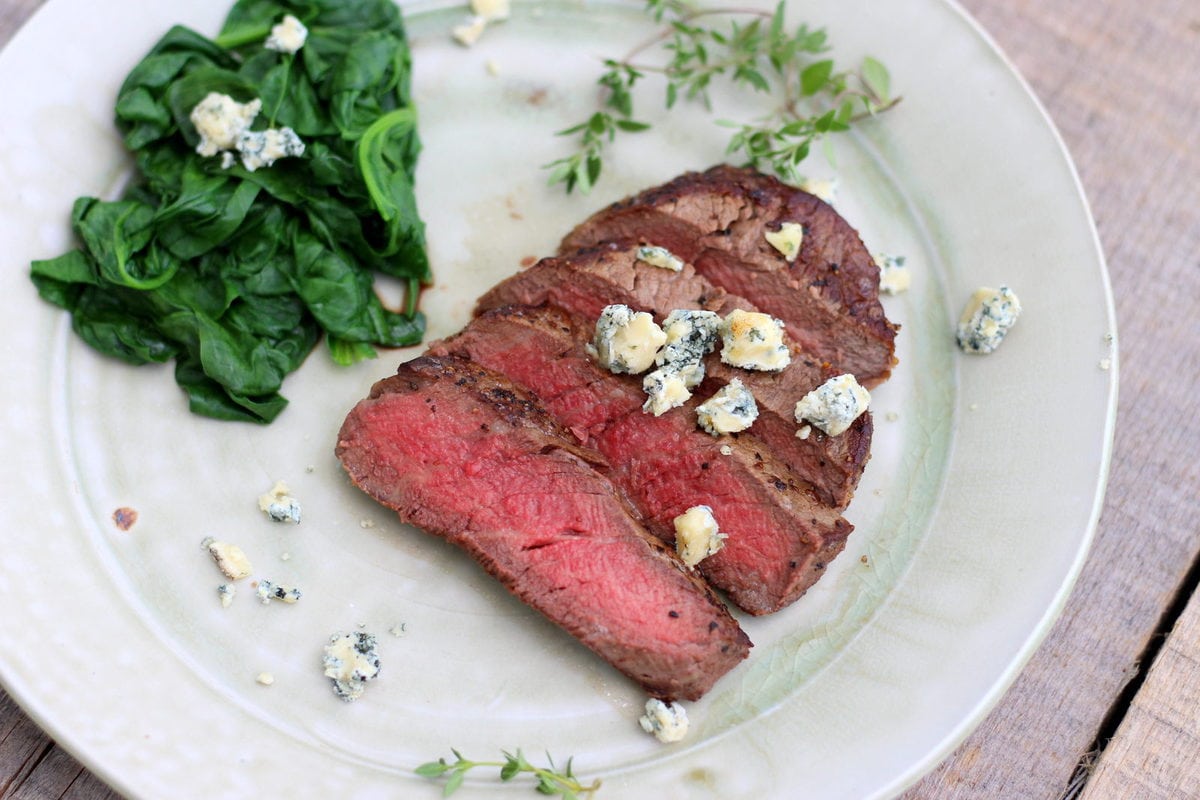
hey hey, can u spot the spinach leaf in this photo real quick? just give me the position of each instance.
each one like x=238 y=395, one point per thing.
x=234 y=273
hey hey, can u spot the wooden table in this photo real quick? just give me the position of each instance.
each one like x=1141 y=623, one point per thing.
x=1109 y=707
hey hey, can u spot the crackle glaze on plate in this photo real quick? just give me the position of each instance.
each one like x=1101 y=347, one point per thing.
x=971 y=523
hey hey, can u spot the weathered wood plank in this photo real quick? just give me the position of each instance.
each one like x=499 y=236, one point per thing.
x=1108 y=74
x=1154 y=753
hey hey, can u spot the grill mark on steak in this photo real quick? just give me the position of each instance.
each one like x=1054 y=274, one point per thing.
x=486 y=467
x=584 y=283
x=778 y=528
x=829 y=296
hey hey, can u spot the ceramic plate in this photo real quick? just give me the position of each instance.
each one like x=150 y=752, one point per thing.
x=972 y=521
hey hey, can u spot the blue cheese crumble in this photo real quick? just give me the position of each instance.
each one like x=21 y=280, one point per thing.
x=263 y=148
x=220 y=120
x=224 y=127
x=730 y=410
x=753 y=340
x=894 y=277
x=350 y=661
x=833 y=406
x=987 y=318
x=824 y=188
x=691 y=335
x=787 y=239
x=668 y=722
x=229 y=558
x=288 y=36
x=626 y=341
x=226 y=591
x=697 y=535
x=268 y=591
x=279 y=505
x=483 y=13
x=659 y=257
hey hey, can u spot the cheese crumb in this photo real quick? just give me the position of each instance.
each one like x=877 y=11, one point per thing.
x=753 y=340
x=826 y=188
x=659 y=257
x=730 y=410
x=268 y=591
x=263 y=148
x=626 y=341
x=220 y=120
x=894 y=277
x=834 y=405
x=350 y=661
x=229 y=557
x=987 y=318
x=697 y=535
x=226 y=592
x=787 y=239
x=288 y=36
x=265 y=678
x=668 y=723
x=279 y=505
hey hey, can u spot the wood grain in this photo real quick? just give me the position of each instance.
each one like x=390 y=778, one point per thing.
x=1154 y=751
x=1119 y=79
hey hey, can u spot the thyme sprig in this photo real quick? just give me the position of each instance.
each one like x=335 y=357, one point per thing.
x=752 y=49
x=550 y=781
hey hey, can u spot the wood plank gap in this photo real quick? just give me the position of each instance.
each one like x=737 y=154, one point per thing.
x=9 y=788
x=1141 y=667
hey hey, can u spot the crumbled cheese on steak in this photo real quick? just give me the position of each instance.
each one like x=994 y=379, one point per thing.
x=691 y=335
x=697 y=535
x=787 y=239
x=987 y=318
x=626 y=341
x=659 y=257
x=730 y=410
x=753 y=340
x=834 y=405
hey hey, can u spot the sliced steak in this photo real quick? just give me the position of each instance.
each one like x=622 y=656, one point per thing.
x=583 y=283
x=829 y=296
x=781 y=536
x=461 y=452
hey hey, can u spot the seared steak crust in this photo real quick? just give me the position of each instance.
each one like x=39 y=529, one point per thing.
x=829 y=296
x=583 y=283
x=463 y=453
x=781 y=535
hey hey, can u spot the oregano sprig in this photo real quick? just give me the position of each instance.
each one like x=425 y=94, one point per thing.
x=549 y=780
x=753 y=49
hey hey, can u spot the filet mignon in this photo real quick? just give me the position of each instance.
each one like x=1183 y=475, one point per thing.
x=781 y=535
x=461 y=452
x=829 y=296
x=610 y=273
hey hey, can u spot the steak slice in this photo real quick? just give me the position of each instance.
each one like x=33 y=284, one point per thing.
x=829 y=296
x=584 y=283
x=460 y=451
x=781 y=536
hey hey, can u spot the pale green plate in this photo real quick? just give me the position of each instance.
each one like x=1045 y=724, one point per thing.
x=972 y=521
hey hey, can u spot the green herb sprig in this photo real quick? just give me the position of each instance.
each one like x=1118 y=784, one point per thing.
x=753 y=49
x=550 y=781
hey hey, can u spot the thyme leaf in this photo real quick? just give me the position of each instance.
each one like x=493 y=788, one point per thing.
x=748 y=48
